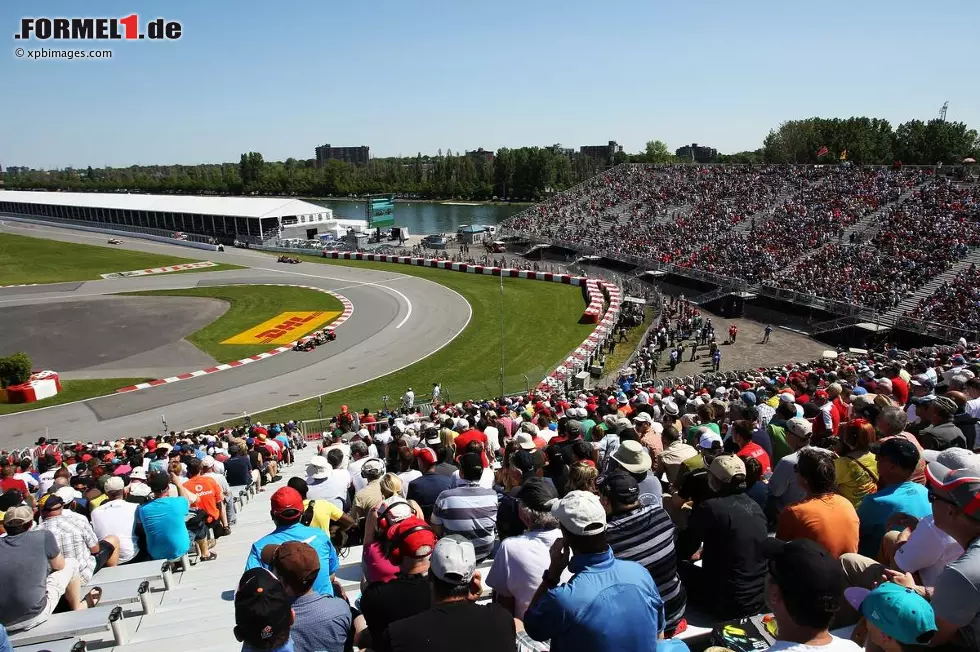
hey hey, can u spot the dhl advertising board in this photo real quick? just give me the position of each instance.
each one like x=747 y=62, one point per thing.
x=283 y=328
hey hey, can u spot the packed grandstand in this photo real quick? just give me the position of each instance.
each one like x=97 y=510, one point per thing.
x=857 y=235
x=824 y=504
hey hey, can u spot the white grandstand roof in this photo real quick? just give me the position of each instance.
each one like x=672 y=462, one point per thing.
x=229 y=206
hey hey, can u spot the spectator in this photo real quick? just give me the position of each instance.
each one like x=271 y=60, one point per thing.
x=210 y=497
x=163 y=522
x=897 y=616
x=238 y=469
x=454 y=615
x=263 y=615
x=520 y=560
x=320 y=514
x=803 y=586
x=375 y=565
x=410 y=545
x=942 y=433
x=731 y=528
x=956 y=597
x=426 y=488
x=675 y=453
x=116 y=517
x=287 y=509
x=633 y=459
x=320 y=623
x=609 y=605
x=76 y=538
x=644 y=534
x=856 y=467
x=747 y=449
x=34 y=574
x=367 y=498
x=897 y=459
x=784 y=485
x=468 y=510
x=823 y=515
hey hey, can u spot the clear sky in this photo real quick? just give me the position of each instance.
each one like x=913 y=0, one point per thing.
x=403 y=77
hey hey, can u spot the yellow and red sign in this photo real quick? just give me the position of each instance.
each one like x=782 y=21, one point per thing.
x=283 y=328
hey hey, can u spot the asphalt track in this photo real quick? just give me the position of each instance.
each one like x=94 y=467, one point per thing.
x=397 y=320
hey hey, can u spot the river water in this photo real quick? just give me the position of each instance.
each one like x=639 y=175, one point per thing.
x=424 y=217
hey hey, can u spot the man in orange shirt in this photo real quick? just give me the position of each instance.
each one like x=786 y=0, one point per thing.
x=210 y=497
x=823 y=516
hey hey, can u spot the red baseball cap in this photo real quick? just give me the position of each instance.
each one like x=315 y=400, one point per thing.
x=821 y=394
x=286 y=499
x=413 y=537
x=426 y=454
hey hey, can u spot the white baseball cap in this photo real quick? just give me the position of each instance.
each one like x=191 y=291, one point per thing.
x=709 y=440
x=453 y=560
x=580 y=513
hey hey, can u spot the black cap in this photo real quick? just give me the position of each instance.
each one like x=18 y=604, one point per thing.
x=53 y=502
x=899 y=451
x=523 y=461
x=621 y=487
x=159 y=480
x=808 y=576
x=537 y=493
x=262 y=608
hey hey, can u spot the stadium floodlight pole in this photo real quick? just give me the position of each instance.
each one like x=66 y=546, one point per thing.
x=502 y=333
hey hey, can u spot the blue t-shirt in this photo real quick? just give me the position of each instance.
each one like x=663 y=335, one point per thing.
x=318 y=539
x=875 y=510
x=579 y=615
x=163 y=521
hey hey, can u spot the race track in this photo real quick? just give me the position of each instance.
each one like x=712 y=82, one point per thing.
x=397 y=320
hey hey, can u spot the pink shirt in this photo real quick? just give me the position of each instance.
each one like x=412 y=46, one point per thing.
x=375 y=565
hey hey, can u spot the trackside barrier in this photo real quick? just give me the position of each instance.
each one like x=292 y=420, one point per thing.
x=116 y=232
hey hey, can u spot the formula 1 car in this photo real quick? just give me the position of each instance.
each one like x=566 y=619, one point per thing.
x=291 y=261
x=114 y=241
x=316 y=339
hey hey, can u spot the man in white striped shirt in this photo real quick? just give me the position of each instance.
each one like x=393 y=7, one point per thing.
x=468 y=510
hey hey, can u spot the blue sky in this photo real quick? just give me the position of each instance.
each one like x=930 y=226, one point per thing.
x=402 y=77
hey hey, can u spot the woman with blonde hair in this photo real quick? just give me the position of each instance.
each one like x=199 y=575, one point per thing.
x=581 y=477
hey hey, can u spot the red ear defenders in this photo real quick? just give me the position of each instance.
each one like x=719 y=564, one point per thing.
x=395 y=540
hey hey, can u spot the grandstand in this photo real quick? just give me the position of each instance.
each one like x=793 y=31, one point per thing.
x=855 y=242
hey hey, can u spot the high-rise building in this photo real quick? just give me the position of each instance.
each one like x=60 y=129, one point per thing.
x=696 y=153
x=602 y=154
x=354 y=155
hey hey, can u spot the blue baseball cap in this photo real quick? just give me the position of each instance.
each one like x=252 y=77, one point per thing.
x=749 y=398
x=860 y=391
x=898 y=612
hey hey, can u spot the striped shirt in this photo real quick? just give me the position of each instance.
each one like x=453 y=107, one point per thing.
x=646 y=535
x=471 y=512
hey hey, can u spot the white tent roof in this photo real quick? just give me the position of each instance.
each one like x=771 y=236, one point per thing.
x=229 y=206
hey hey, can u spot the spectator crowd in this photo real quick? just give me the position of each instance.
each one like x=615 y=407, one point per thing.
x=814 y=495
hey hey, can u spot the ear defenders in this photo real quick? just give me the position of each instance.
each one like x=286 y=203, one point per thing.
x=395 y=540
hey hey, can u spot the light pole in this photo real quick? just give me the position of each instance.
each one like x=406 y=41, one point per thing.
x=502 y=333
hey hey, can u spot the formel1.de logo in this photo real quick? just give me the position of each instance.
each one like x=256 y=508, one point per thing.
x=97 y=29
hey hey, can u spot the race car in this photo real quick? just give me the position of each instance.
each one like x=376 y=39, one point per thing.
x=315 y=339
x=114 y=241
x=291 y=261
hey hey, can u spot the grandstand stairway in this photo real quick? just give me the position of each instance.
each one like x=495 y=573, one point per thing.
x=869 y=225
x=763 y=216
x=934 y=284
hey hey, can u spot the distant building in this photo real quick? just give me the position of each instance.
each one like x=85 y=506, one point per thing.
x=697 y=153
x=481 y=155
x=354 y=155
x=602 y=154
x=558 y=150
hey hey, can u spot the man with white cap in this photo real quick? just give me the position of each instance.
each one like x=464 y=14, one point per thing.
x=117 y=517
x=454 y=621
x=609 y=604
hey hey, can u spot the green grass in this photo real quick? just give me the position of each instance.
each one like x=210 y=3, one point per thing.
x=74 y=390
x=250 y=306
x=37 y=260
x=541 y=327
x=625 y=349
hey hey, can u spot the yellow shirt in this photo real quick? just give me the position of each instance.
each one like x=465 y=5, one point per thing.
x=324 y=511
x=854 y=482
x=95 y=502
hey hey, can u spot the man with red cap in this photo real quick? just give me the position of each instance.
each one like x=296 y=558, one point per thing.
x=827 y=421
x=287 y=509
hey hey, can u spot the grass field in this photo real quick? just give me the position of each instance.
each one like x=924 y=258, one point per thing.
x=73 y=390
x=541 y=327
x=250 y=306
x=37 y=260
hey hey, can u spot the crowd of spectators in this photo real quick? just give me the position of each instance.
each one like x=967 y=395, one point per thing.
x=955 y=302
x=594 y=520
x=795 y=236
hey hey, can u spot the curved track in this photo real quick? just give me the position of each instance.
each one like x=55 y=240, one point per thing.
x=397 y=320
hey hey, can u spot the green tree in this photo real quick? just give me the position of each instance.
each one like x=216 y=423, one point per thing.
x=15 y=369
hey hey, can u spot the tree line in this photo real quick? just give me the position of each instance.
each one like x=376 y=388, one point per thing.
x=524 y=173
